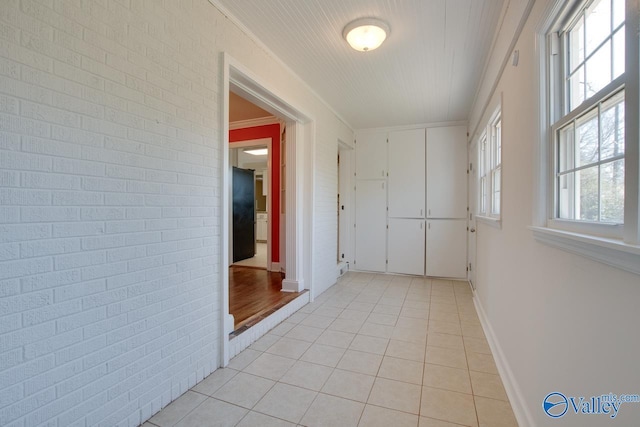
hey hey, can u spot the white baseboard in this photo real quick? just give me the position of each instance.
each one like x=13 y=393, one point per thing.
x=520 y=409
x=292 y=286
x=343 y=267
x=275 y=266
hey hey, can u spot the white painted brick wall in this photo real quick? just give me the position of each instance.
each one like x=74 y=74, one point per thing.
x=109 y=203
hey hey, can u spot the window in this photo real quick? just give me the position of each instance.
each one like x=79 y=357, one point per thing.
x=588 y=160
x=490 y=176
x=588 y=133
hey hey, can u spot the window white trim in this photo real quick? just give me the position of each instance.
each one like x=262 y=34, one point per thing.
x=608 y=251
x=493 y=222
x=621 y=253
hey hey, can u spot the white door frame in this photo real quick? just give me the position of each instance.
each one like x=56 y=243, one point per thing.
x=345 y=174
x=299 y=221
x=472 y=192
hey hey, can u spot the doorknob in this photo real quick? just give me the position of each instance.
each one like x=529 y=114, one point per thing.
x=473 y=230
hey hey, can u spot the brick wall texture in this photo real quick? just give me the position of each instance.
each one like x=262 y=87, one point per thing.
x=110 y=202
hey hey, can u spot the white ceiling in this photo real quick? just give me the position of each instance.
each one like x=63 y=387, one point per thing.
x=427 y=71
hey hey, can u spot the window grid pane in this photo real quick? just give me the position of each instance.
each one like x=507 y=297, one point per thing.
x=594 y=50
x=482 y=162
x=483 y=195
x=590 y=165
x=597 y=24
x=612 y=192
x=497 y=143
x=495 y=196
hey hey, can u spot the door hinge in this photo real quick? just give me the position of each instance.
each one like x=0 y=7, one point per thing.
x=387 y=262
x=387 y=226
x=469 y=268
x=471 y=166
x=342 y=256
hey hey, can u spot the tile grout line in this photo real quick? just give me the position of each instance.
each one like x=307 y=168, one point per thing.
x=354 y=294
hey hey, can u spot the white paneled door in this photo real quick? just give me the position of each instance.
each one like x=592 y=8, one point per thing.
x=371 y=225
x=406 y=246
x=406 y=174
x=447 y=248
x=447 y=172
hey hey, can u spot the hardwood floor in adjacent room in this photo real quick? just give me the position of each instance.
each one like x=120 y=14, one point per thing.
x=253 y=292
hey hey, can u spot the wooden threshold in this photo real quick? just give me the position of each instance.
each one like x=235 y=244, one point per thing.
x=255 y=293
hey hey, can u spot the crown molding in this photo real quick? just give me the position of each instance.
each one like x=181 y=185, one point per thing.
x=261 y=121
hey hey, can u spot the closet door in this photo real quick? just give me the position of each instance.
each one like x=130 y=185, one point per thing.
x=406 y=174
x=371 y=155
x=447 y=172
x=447 y=248
x=371 y=225
x=406 y=246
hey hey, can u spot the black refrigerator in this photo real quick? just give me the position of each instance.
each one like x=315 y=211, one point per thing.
x=244 y=215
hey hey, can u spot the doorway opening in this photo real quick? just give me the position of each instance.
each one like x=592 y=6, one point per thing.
x=288 y=235
x=255 y=276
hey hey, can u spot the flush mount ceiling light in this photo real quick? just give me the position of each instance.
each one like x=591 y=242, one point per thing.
x=366 y=34
x=257 y=151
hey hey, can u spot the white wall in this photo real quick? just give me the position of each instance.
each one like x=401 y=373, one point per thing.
x=110 y=148
x=564 y=323
x=325 y=210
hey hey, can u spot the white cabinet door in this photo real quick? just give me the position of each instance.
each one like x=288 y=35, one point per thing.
x=261 y=234
x=447 y=248
x=371 y=225
x=406 y=174
x=371 y=155
x=406 y=246
x=447 y=172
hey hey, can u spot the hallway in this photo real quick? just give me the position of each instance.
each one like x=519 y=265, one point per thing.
x=373 y=350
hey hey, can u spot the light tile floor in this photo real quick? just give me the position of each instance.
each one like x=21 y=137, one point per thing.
x=373 y=350
x=258 y=260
